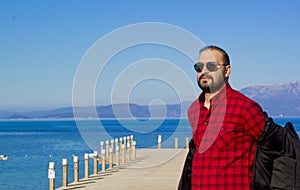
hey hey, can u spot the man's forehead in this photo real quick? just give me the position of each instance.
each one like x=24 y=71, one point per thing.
x=210 y=55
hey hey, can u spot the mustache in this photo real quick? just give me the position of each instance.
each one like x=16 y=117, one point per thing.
x=205 y=75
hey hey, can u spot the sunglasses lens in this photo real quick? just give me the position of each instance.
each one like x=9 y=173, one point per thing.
x=198 y=67
x=211 y=66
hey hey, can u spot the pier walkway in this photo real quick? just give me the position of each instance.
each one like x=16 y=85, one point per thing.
x=153 y=169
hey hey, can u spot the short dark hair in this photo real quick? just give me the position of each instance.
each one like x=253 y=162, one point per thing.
x=226 y=59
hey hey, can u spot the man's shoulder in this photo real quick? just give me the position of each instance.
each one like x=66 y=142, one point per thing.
x=194 y=105
x=238 y=99
x=235 y=94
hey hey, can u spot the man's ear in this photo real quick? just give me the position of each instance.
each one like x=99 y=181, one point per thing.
x=227 y=71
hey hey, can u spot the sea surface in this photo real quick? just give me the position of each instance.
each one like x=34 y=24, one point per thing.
x=32 y=144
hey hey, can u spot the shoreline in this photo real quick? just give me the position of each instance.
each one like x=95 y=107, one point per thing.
x=94 y=119
x=108 y=119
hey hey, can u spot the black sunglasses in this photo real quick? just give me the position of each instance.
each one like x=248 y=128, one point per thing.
x=210 y=66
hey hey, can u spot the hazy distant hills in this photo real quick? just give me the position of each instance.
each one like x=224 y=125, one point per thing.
x=277 y=99
x=108 y=111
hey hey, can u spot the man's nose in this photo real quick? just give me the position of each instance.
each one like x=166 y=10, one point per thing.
x=204 y=70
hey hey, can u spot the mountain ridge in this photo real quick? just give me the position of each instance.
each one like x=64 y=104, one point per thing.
x=279 y=99
x=276 y=99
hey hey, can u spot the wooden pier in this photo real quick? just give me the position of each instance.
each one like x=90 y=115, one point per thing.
x=152 y=169
x=128 y=167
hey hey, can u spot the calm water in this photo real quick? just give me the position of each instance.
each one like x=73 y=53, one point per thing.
x=31 y=145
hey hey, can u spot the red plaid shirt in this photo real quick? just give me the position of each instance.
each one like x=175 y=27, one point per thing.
x=224 y=136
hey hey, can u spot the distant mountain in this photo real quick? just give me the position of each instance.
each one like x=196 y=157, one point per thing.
x=17 y=116
x=142 y=111
x=123 y=111
x=107 y=111
x=276 y=99
x=4 y=114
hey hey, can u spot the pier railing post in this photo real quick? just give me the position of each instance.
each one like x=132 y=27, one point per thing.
x=65 y=172
x=76 y=169
x=128 y=151
x=51 y=176
x=116 y=143
x=159 y=142
x=123 y=154
x=106 y=148
x=112 y=144
x=101 y=146
x=121 y=144
x=176 y=142
x=117 y=156
x=110 y=158
x=95 y=162
x=124 y=143
x=86 y=165
x=187 y=143
x=128 y=142
x=103 y=160
x=131 y=139
x=133 y=150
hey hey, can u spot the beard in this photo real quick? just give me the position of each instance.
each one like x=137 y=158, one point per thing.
x=211 y=85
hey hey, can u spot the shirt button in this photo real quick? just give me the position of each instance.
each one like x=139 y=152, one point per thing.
x=199 y=184
x=222 y=128
x=205 y=123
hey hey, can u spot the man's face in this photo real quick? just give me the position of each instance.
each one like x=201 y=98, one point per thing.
x=212 y=81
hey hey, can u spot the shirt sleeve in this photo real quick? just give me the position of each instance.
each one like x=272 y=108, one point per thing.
x=254 y=120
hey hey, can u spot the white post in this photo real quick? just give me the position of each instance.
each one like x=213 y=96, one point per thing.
x=116 y=142
x=131 y=137
x=103 y=163
x=65 y=172
x=51 y=176
x=112 y=142
x=176 y=142
x=76 y=174
x=86 y=165
x=123 y=153
x=117 y=156
x=128 y=141
x=159 y=141
x=110 y=158
x=125 y=144
x=128 y=151
x=101 y=146
x=121 y=144
x=107 y=148
x=133 y=150
x=131 y=140
x=95 y=162
x=187 y=143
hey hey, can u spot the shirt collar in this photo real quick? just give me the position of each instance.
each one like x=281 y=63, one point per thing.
x=218 y=97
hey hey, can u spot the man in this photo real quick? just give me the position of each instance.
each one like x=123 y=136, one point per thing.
x=225 y=126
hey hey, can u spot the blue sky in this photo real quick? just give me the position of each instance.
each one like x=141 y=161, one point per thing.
x=43 y=42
